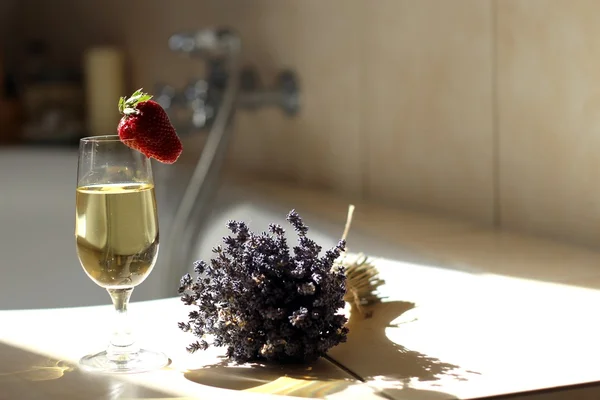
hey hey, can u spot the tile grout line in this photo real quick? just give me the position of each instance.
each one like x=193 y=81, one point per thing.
x=496 y=208
x=356 y=376
x=344 y=368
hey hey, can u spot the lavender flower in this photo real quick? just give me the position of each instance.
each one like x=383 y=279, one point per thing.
x=262 y=301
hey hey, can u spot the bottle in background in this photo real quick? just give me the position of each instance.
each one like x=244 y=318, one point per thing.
x=104 y=78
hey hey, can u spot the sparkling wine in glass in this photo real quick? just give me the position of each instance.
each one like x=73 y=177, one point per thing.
x=116 y=232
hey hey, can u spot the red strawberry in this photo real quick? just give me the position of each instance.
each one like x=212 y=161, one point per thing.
x=145 y=127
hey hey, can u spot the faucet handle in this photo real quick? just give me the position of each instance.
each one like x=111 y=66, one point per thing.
x=196 y=89
x=285 y=94
x=287 y=84
x=197 y=98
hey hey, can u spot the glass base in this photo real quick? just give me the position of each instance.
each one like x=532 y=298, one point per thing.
x=145 y=360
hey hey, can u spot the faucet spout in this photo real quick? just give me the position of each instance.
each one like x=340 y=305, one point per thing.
x=206 y=43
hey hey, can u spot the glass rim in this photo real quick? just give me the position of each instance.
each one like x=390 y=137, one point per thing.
x=103 y=138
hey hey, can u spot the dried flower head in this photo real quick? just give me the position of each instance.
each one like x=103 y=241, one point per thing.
x=263 y=301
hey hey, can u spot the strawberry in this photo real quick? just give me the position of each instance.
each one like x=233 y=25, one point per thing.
x=145 y=126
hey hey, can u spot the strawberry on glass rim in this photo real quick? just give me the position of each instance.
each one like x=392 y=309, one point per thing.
x=145 y=126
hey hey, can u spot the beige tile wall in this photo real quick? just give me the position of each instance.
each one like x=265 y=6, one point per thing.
x=428 y=105
x=483 y=109
x=549 y=117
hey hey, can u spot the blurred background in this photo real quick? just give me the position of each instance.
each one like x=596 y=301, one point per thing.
x=483 y=110
x=488 y=110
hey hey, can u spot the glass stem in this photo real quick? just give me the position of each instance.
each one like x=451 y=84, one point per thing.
x=122 y=347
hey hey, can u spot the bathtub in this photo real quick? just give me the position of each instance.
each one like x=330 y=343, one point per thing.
x=38 y=264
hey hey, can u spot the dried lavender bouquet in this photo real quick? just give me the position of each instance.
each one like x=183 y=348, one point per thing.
x=265 y=302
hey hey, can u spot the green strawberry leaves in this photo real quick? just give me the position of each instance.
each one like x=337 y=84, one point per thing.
x=128 y=106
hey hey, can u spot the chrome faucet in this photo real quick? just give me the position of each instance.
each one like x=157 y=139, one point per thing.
x=196 y=105
x=210 y=104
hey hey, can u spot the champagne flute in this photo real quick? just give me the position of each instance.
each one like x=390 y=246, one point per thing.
x=116 y=232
